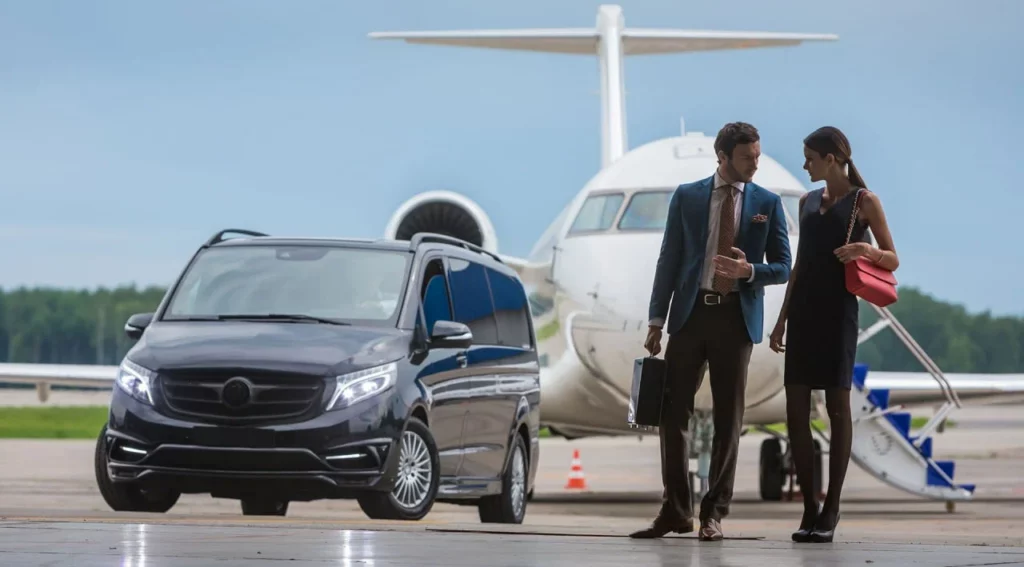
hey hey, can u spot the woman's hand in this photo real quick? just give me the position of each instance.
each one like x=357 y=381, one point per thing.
x=852 y=251
x=775 y=339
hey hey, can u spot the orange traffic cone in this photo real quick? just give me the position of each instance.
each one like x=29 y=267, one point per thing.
x=576 y=480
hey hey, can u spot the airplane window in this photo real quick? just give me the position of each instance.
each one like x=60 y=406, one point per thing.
x=646 y=211
x=598 y=213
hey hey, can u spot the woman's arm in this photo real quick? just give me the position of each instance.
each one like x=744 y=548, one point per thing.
x=885 y=254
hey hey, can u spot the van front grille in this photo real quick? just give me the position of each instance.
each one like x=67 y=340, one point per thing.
x=240 y=395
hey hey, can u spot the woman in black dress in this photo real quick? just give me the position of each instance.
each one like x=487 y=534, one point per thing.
x=822 y=316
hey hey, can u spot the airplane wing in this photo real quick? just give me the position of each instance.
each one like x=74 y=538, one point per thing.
x=921 y=388
x=82 y=375
x=910 y=388
x=635 y=41
x=532 y=274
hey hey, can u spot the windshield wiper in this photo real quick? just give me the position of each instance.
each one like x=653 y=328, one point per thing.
x=285 y=317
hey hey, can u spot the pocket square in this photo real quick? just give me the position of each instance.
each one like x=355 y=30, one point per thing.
x=759 y=218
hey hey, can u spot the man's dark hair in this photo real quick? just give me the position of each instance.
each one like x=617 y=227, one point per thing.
x=734 y=134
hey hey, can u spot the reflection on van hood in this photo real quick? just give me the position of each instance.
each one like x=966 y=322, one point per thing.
x=308 y=348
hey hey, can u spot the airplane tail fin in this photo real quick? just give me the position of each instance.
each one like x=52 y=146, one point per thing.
x=611 y=41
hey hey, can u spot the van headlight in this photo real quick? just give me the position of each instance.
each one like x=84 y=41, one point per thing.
x=136 y=381
x=355 y=387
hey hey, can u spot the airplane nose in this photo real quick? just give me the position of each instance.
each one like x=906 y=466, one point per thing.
x=611 y=274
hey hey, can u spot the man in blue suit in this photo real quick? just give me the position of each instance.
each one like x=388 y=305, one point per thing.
x=718 y=232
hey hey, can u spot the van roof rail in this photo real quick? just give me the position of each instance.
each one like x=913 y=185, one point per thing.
x=219 y=237
x=421 y=237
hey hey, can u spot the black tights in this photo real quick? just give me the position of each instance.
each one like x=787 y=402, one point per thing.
x=798 y=421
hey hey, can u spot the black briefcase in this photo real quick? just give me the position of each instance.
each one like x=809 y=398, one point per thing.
x=645 y=398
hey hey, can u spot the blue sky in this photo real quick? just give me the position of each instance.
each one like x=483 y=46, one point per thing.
x=130 y=132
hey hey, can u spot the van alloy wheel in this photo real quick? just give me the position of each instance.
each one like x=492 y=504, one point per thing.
x=416 y=478
x=518 y=482
x=509 y=506
x=412 y=486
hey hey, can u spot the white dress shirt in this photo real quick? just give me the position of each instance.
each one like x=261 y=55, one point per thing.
x=707 y=274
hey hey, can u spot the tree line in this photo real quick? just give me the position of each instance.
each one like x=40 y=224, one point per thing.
x=61 y=326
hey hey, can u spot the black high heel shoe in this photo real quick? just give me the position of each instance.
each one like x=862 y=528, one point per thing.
x=825 y=536
x=803 y=534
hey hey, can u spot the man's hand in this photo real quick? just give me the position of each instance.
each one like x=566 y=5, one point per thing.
x=735 y=268
x=653 y=343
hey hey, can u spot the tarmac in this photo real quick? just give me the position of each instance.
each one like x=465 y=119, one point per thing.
x=52 y=514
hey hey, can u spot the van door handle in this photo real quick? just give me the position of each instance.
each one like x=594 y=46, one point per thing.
x=461 y=359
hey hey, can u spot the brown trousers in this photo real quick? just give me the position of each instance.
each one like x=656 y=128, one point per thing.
x=714 y=338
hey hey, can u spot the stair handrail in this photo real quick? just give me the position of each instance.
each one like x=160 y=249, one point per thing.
x=919 y=353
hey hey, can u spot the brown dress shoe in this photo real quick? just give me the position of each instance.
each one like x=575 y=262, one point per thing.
x=710 y=530
x=662 y=526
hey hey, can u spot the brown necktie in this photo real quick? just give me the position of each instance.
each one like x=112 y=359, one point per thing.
x=726 y=238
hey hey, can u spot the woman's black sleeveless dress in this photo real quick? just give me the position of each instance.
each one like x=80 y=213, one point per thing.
x=823 y=320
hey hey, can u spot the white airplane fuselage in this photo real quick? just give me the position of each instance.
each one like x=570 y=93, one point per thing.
x=591 y=313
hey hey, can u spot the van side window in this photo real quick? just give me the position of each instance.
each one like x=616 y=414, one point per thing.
x=511 y=309
x=434 y=293
x=472 y=300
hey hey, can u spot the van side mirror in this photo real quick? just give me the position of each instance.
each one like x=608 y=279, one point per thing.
x=449 y=334
x=137 y=324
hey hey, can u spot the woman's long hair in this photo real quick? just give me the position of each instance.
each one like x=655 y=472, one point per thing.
x=830 y=140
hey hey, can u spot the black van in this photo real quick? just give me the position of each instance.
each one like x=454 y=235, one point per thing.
x=397 y=373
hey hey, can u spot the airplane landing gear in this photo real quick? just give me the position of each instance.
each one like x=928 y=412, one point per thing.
x=702 y=434
x=772 y=473
x=777 y=468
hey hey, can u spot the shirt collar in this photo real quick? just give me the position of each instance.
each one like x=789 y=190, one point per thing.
x=719 y=182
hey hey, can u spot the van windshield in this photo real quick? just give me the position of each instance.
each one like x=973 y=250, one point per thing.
x=333 y=283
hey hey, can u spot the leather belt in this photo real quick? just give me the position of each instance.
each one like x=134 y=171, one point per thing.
x=708 y=297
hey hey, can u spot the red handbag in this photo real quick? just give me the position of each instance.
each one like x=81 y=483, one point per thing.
x=864 y=278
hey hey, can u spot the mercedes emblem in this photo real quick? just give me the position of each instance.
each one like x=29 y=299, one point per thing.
x=237 y=392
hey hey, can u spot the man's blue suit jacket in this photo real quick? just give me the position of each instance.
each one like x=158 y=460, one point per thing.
x=677 y=277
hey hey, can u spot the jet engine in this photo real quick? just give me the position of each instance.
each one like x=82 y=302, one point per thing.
x=443 y=212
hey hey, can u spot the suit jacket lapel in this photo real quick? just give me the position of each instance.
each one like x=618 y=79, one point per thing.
x=709 y=190
x=748 y=204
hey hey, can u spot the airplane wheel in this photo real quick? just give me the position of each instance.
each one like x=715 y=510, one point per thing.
x=772 y=474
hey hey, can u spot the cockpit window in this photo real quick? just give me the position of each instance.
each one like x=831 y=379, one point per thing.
x=598 y=213
x=646 y=211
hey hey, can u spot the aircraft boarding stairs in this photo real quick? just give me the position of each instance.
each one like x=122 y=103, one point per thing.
x=883 y=443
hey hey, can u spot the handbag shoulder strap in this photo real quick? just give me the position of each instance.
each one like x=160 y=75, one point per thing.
x=853 y=214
